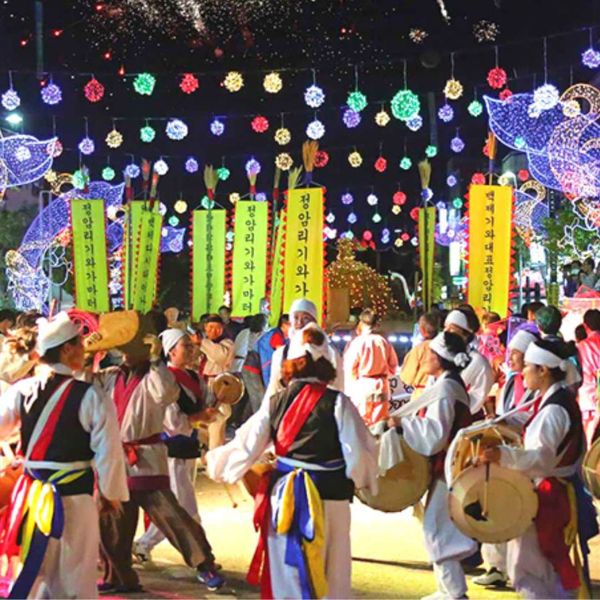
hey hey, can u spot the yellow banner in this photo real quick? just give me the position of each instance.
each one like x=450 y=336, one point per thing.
x=89 y=255
x=426 y=253
x=489 y=267
x=208 y=261
x=250 y=246
x=276 y=296
x=303 y=257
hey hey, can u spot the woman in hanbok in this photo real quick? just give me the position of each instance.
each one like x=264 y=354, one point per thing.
x=323 y=451
x=446 y=410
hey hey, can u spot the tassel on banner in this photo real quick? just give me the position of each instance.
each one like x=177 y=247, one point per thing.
x=309 y=154
x=211 y=179
x=294 y=177
x=276 y=182
x=424 y=173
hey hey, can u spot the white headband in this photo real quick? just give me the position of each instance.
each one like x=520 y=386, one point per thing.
x=303 y=305
x=54 y=332
x=544 y=358
x=438 y=345
x=521 y=341
x=455 y=317
x=170 y=338
x=297 y=348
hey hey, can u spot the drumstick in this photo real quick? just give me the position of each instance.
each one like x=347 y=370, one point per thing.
x=486 y=489
x=230 y=496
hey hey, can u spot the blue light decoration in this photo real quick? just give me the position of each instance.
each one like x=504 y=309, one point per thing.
x=546 y=96
x=314 y=96
x=253 y=167
x=10 y=99
x=132 y=171
x=172 y=239
x=415 y=123
x=191 y=165
x=347 y=198
x=590 y=58
x=352 y=218
x=51 y=93
x=161 y=167
x=86 y=146
x=176 y=129
x=451 y=181
x=456 y=144
x=217 y=127
x=385 y=235
x=351 y=118
x=260 y=197
x=446 y=113
x=315 y=130
x=24 y=159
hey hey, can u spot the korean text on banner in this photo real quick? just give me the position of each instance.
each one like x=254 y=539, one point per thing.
x=276 y=296
x=89 y=255
x=208 y=261
x=490 y=247
x=303 y=257
x=426 y=252
x=249 y=275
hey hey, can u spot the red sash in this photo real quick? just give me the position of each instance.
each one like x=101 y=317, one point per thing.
x=123 y=392
x=184 y=379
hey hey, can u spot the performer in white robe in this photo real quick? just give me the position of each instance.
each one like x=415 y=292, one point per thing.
x=447 y=411
x=67 y=429
x=320 y=440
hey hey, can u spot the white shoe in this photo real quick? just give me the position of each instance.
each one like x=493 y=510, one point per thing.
x=492 y=577
x=141 y=552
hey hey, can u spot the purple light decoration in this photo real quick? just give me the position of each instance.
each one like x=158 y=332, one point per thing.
x=172 y=239
x=351 y=118
x=347 y=198
x=253 y=167
x=457 y=145
x=51 y=93
x=132 y=171
x=415 y=123
x=217 y=127
x=451 y=181
x=10 y=99
x=191 y=165
x=86 y=146
x=591 y=58
x=19 y=171
x=446 y=113
x=261 y=197
x=352 y=218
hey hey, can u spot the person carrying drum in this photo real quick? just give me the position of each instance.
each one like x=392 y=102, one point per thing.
x=539 y=562
x=323 y=451
x=446 y=404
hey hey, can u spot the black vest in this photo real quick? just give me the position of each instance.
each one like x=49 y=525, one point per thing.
x=317 y=441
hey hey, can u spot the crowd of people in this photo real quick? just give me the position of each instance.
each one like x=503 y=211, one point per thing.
x=102 y=435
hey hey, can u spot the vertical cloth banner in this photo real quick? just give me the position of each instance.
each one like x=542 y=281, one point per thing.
x=249 y=274
x=303 y=254
x=426 y=253
x=89 y=255
x=208 y=261
x=276 y=295
x=489 y=267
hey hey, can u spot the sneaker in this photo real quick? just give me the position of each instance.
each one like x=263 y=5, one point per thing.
x=493 y=577
x=105 y=587
x=211 y=578
x=141 y=553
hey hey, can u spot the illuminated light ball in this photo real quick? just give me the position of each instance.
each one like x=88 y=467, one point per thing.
x=162 y=209
x=260 y=124
x=321 y=159
x=315 y=130
x=114 y=138
x=86 y=146
x=405 y=105
x=396 y=209
x=381 y=164
x=457 y=145
x=132 y=171
x=399 y=198
x=357 y=101
x=451 y=181
x=520 y=142
x=161 y=167
x=367 y=235
x=497 y=78
x=405 y=237
x=534 y=111
x=352 y=218
x=284 y=161
x=217 y=127
x=330 y=218
x=446 y=113
x=108 y=173
x=351 y=118
x=415 y=123
x=385 y=236
x=571 y=109
x=176 y=129
x=440 y=205
x=347 y=198
x=431 y=151
x=147 y=133
x=191 y=165
x=372 y=200
x=458 y=202
x=261 y=197
x=283 y=136
x=504 y=179
x=426 y=194
x=180 y=206
x=314 y=96
x=453 y=89
x=523 y=174
x=233 y=82
x=376 y=218
x=414 y=213
x=173 y=221
x=10 y=99
x=22 y=153
x=355 y=159
x=51 y=94
x=93 y=90
x=234 y=197
x=79 y=179
x=382 y=118
x=414 y=241
x=405 y=163
x=189 y=83
x=253 y=167
x=272 y=83
x=56 y=150
x=546 y=96
x=591 y=58
x=398 y=243
x=475 y=108
x=223 y=173
x=505 y=94
x=111 y=212
x=144 y=84
x=206 y=202
x=478 y=178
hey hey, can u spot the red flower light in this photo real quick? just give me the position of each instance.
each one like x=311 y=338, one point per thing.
x=260 y=124
x=405 y=236
x=189 y=83
x=399 y=198
x=505 y=94
x=523 y=174
x=93 y=90
x=414 y=214
x=478 y=178
x=381 y=164
x=321 y=159
x=367 y=235
x=496 y=78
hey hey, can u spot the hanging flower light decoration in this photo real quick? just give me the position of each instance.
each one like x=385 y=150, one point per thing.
x=352 y=218
x=372 y=200
x=217 y=127
x=523 y=175
x=321 y=159
x=176 y=129
x=314 y=96
x=417 y=36
x=252 y=167
x=86 y=146
x=147 y=133
x=376 y=218
x=330 y=218
x=273 y=83
x=456 y=144
x=189 y=83
x=79 y=179
x=132 y=171
x=260 y=124
x=546 y=96
x=381 y=164
x=191 y=166
x=284 y=161
x=93 y=90
x=180 y=206
x=223 y=173
x=591 y=58
x=114 y=138
x=571 y=109
x=431 y=151
x=451 y=181
x=173 y=221
x=347 y=198
x=315 y=130
x=108 y=173
x=382 y=118
x=51 y=94
x=405 y=163
x=355 y=159
x=396 y=210
x=485 y=31
x=405 y=105
x=399 y=198
x=497 y=78
x=283 y=136
x=57 y=150
x=357 y=101
x=144 y=84
x=446 y=113
x=10 y=98
x=505 y=94
x=233 y=82
x=415 y=123
x=453 y=89
x=478 y=179
x=161 y=167
x=475 y=108
x=351 y=118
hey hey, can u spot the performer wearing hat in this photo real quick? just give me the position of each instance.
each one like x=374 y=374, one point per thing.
x=539 y=563
x=323 y=450
x=53 y=516
x=446 y=405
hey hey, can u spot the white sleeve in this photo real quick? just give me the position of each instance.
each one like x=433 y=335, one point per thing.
x=358 y=445
x=338 y=382
x=161 y=384
x=429 y=435
x=221 y=354
x=230 y=462
x=274 y=385
x=98 y=416
x=544 y=434
x=10 y=411
x=479 y=378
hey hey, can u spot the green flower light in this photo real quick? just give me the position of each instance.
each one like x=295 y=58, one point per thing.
x=357 y=101
x=79 y=179
x=223 y=173
x=207 y=203
x=405 y=163
x=144 y=83
x=405 y=105
x=475 y=108
x=431 y=151
x=457 y=202
x=147 y=133
x=108 y=173
x=173 y=221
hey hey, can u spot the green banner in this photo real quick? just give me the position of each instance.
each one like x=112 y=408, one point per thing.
x=249 y=275
x=276 y=298
x=426 y=228
x=89 y=255
x=208 y=261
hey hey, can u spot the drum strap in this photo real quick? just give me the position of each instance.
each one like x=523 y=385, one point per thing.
x=187 y=380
